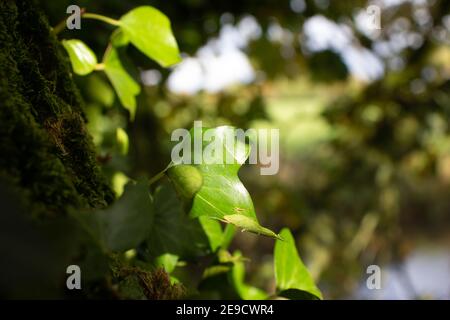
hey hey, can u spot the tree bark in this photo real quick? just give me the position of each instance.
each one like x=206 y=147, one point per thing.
x=48 y=164
x=46 y=151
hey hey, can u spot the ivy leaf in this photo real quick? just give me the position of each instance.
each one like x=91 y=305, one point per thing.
x=82 y=58
x=222 y=195
x=228 y=235
x=213 y=231
x=119 y=39
x=292 y=278
x=99 y=91
x=149 y=30
x=186 y=179
x=126 y=87
x=227 y=279
x=167 y=261
x=122 y=141
x=237 y=277
x=173 y=231
x=249 y=224
x=128 y=221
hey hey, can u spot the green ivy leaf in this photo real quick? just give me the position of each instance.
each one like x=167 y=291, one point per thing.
x=249 y=224
x=98 y=90
x=292 y=277
x=213 y=231
x=119 y=38
x=216 y=270
x=126 y=87
x=122 y=141
x=186 y=179
x=227 y=278
x=167 y=261
x=228 y=235
x=149 y=30
x=126 y=223
x=173 y=231
x=222 y=195
x=237 y=277
x=82 y=58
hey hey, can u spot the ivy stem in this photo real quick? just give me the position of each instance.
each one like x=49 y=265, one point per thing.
x=61 y=26
x=101 y=18
x=159 y=175
x=156 y=177
x=99 y=66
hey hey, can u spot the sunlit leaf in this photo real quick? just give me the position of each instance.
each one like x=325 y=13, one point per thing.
x=149 y=30
x=167 y=261
x=215 y=270
x=118 y=182
x=228 y=235
x=122 y=141
x=119 y=38
x=249 y=224
x=82 y=58
x=187 y=180
x=222 y=195
x=292 y=277
x=224 y=257
x=126 y=87
x=213 y=231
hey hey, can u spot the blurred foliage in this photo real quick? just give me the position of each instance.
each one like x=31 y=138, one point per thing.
x=365 y=165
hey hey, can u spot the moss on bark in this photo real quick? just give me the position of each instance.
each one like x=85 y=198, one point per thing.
x=45 y=150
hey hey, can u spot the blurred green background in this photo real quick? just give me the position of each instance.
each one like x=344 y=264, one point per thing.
x=363 y=115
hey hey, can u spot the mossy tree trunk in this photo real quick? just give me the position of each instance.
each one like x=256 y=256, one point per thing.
x=47 y=163
x=46 y=150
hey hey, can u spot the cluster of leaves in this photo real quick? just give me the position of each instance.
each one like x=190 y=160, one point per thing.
x=157 y=227
x=183 y=219
x=147 y=29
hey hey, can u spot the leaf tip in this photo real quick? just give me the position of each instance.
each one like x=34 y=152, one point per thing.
x=279 y=237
